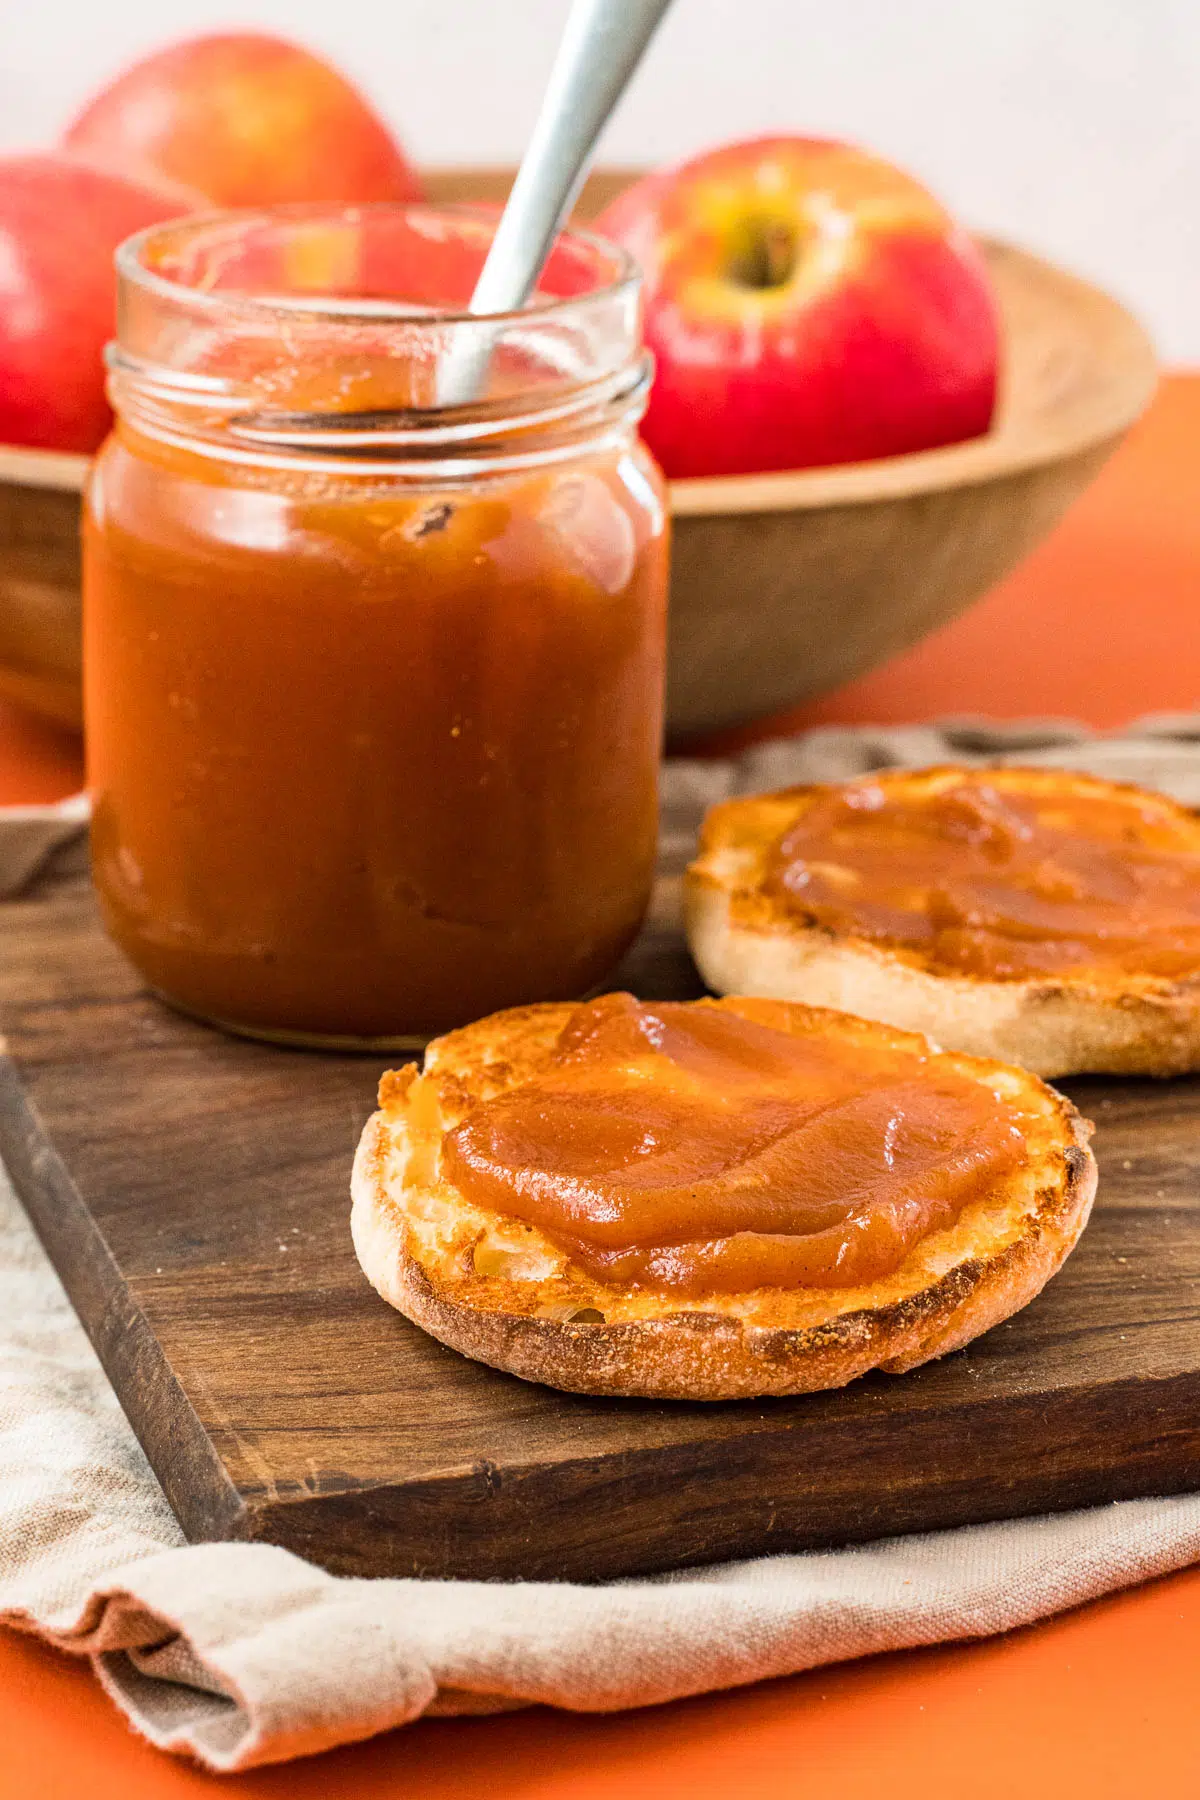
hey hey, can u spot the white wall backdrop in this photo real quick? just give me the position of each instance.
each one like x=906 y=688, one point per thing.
x=1071 y=125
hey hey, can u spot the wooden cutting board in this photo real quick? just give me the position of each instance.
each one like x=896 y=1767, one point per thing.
x=192 y=1190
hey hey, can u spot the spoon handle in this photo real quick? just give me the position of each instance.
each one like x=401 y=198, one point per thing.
x=601 y=47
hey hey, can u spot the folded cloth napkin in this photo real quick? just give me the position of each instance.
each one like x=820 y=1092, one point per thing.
x=243 y=1654
x=34 y=837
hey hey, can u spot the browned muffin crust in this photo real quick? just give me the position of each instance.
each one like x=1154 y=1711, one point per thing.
x=500 y=1291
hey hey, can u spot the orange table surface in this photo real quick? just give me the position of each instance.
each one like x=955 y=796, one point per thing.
x=1102 y=624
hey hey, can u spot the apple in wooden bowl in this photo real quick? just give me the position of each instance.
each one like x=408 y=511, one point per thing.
x=866 y=416
x=808 y=304
x=246 y=119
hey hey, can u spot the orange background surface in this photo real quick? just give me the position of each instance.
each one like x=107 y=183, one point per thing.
x=1102 y=624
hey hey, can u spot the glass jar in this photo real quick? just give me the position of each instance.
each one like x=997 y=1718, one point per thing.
x=373 y=683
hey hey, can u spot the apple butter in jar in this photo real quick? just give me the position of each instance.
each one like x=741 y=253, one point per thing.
x=373 y=683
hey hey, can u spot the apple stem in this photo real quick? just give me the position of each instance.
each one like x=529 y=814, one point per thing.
x=766 y=254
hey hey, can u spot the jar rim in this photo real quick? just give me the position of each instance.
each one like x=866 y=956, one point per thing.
x=132 y=268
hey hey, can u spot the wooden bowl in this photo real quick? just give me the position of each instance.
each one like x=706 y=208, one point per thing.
x=784 y=585
x=40 y=652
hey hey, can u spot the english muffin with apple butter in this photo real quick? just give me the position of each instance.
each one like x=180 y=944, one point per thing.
x=711 y=1200
x=1044 y=917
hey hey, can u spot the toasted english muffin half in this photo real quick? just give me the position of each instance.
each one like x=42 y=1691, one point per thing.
x=1081 y=1020
x=499 y=1290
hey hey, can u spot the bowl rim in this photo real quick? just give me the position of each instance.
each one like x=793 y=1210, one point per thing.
x=989 y=458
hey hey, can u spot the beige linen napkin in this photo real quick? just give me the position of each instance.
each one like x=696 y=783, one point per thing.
x=243 y=1654
x=34 y=837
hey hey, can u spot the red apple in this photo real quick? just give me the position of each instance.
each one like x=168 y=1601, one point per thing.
x=807 y=304
x=248 y=120
x=60 y=221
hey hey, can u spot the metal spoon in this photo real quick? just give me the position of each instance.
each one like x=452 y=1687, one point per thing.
x=601 y=47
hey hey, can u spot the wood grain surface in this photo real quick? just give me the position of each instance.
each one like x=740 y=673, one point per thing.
x=192 y=1190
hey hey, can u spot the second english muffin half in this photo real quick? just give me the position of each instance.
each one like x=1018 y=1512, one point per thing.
x=1046 y=918
x=713 y=1200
